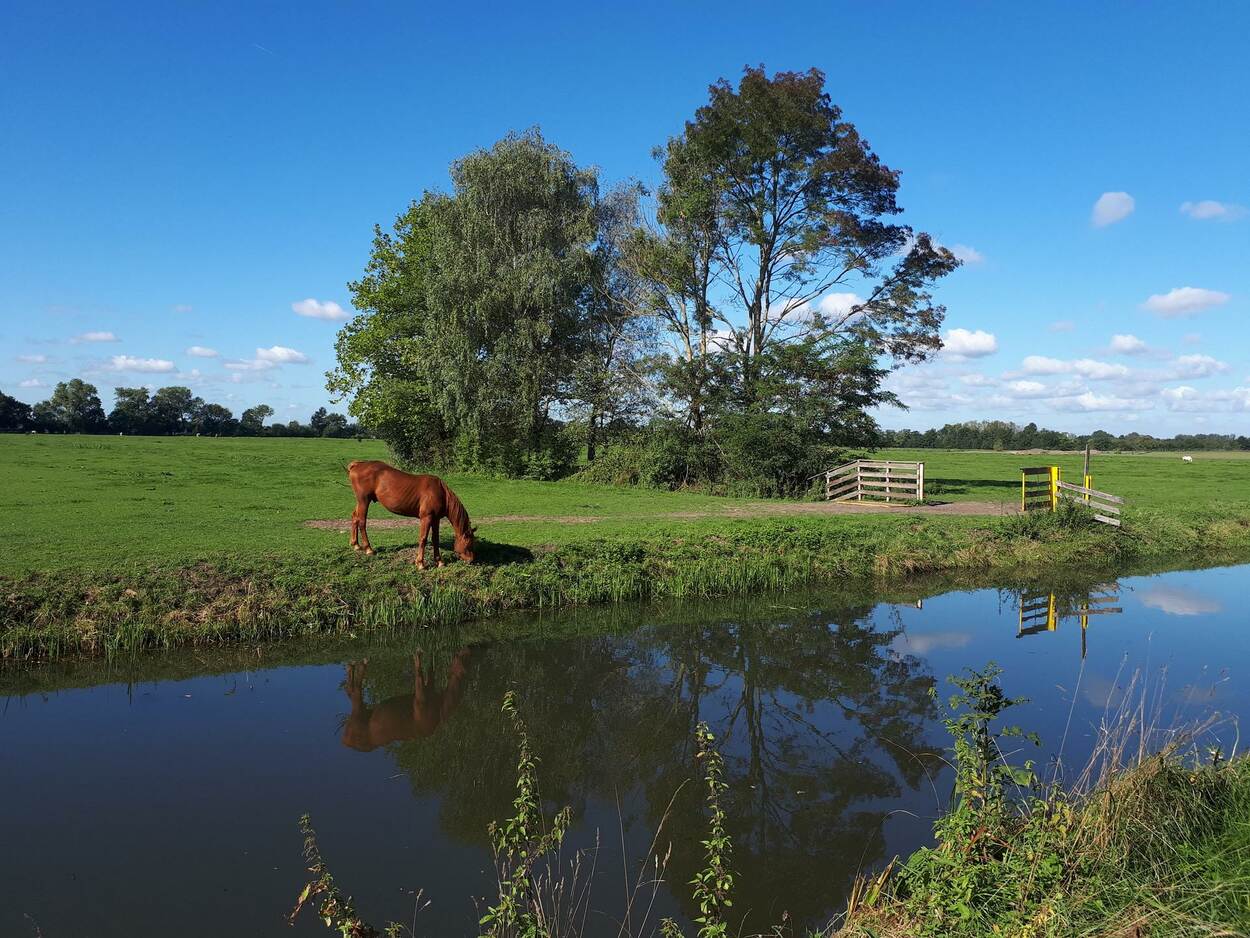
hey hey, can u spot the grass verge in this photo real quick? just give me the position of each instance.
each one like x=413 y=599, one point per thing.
x=331 y=591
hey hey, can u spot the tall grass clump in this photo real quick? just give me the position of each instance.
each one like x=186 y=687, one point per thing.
x=1153 y=838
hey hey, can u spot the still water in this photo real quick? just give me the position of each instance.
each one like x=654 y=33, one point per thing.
x=163 y=796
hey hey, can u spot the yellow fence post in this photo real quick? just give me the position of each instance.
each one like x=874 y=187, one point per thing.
x=1054 y=488
x=1089 y=484
x=1023 y=489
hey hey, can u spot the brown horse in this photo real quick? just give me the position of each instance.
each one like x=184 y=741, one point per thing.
x=424 y=497
x=408 y=716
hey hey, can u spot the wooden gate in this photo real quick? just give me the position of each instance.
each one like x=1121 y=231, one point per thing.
x=1042 y=489
x=876 y=479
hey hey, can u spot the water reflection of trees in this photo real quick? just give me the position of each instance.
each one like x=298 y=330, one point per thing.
x=822 y=727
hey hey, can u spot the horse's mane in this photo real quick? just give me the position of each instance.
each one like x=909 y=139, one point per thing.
x=456 y=513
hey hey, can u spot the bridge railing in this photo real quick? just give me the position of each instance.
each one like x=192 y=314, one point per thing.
x=887 y=479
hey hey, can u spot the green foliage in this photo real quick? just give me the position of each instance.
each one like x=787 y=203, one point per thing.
x=14 y=414
x=74 y=407
x=521 y=843
x=336 y=911
x=475 y=313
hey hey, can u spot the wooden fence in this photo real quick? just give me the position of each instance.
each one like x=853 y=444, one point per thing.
x=1042 y=612
x=1042 y=489
x=1106 y=507
x=876 y=479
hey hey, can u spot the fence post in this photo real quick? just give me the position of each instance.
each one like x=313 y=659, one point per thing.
x=1054 y=488
x=920 y=482
x=1024 y=491
x=1089 y=484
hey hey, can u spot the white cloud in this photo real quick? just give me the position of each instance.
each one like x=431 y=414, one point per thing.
x=1089 y=401
x=1191 y=400
x=200 y=351
x=1086 y=367
x=1127 y=345
x=1110 y=208
x=94 y=337
x=1028 y=389
x=960 y=344
x=1062 y=325
x=1199 y=366
x=281 y=355
x=32 y=359
x=1181 y=398
x=838 y=306
x=1184 y=301
x=1179 y=601
x=978 y=380
x=254 y=364
x=32 y=383
x=1211 y=210
x=967 y=254
x=146 y=365
x=182 y=308
x=319 y=309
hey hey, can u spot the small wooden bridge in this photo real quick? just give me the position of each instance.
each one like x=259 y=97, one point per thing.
x=885 y=479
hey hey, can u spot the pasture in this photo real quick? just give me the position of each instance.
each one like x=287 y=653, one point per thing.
x=92 y=502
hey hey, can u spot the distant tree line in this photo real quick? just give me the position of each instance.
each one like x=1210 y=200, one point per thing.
x=733 y=331
x=1001 y=435
x=74 y=407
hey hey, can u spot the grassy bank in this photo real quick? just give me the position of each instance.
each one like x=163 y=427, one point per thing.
x=118 y=544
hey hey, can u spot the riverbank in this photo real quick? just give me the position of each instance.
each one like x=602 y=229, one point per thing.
x=333 y=591
x=120 y=544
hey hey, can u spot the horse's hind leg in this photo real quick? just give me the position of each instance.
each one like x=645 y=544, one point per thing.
x=360 y=517
x=425 y=532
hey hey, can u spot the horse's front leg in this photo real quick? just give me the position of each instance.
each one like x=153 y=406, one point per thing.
x=425 y=531
x=438 y=548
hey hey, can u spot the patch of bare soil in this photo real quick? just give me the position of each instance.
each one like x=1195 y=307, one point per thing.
x=734 y=511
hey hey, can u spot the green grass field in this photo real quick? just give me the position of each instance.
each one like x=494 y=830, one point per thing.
x=131 y=542
x=1148 y=480
x=88 y=502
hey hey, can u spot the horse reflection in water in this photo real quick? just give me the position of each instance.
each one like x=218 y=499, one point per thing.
x=406 y=716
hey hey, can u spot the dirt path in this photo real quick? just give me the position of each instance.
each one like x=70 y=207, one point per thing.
x=734 y=511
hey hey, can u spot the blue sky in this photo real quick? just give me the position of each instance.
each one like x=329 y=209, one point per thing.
x=178 y=177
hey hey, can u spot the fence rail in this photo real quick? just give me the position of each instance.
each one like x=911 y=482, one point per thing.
x=1042 y=489
x=875 y=479
x=1106 y=507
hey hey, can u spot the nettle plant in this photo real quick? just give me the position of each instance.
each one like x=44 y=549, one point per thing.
x=1000 y=846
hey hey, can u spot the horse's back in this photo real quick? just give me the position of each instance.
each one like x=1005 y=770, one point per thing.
x=401 y=492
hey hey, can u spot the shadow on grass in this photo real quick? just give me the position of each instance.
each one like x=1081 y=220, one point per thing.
x=488 y=553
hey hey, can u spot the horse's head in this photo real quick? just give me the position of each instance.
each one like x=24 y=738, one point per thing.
x=464 y=545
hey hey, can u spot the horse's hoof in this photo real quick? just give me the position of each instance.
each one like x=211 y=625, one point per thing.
x=369 y=551
x=355 y=547
x=442 y=563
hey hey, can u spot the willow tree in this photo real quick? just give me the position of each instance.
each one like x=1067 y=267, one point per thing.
x=473 y=312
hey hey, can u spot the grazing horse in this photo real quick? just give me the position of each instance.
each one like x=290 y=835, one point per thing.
x=424 y=497
x=407 y=716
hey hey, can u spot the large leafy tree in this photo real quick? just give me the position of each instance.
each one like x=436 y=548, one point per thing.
x=173 y=409
x=772 y=203
x=74 y=407
x=14 y=414
x=252 y=422
x=473 y=310
x=132 y=411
